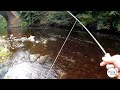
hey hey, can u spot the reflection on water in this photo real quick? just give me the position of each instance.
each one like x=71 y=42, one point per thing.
x=80 y=57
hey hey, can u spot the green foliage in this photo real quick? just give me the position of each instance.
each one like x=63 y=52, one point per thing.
x=23 y=24
x=3 y=26
x=3 y=31
x=102 y=19
x=85 y=18
x=4 y=54
x=31 y=16
x=3 y=23
x=58 y=17
x=117 y=26
x=51 y=17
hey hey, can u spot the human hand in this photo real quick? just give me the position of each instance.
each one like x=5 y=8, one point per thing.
x=111 y=62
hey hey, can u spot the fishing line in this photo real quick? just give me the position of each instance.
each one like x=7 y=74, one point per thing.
x=61 y=49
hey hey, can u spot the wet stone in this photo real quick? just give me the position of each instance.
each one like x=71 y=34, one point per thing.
x=20 y=45
x=61 y=74
x=43 y=59
x=34 y=57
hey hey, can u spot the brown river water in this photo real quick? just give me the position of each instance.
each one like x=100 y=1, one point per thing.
x=80 y=57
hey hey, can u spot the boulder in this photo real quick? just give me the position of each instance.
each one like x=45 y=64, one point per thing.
x=34 y=57
x=61 y=74
x=43 y=59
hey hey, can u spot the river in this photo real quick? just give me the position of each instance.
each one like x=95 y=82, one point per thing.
x=79 y=58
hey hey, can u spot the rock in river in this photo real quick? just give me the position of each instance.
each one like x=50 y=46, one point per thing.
x=34 y=57
x=61 y=74
x=43 y=59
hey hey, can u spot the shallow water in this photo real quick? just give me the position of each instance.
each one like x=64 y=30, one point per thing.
x=80 y=57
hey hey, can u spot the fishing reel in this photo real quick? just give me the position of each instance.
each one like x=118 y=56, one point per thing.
x=112 y=72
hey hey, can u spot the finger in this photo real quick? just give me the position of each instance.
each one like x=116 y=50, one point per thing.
x=107 y=59
x=118 y=77
x=103 y=63
x=109 y=66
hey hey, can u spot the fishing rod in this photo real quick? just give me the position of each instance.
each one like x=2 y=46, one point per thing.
x=111 y=72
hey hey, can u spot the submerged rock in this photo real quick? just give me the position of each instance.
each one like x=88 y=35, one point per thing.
x=61 y=74
x=52 y=39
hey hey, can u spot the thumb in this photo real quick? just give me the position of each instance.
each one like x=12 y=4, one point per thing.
x=107 y=58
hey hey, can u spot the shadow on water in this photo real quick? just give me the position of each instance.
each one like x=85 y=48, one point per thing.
x=80 y=57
